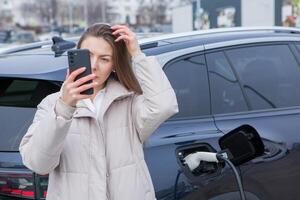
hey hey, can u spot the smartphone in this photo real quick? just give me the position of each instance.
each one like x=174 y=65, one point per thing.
x=78 y=58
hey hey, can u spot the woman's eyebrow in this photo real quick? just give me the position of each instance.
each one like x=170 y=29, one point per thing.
x=101 y=55
x=105 y=55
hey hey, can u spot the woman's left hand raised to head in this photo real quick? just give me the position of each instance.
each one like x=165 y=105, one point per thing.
x=128 y=37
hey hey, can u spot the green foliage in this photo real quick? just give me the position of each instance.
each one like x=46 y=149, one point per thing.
x=295 y=3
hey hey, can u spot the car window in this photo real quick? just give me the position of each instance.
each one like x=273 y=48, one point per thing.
x=24 y=93
x=269 y=75
x=18 y=101
x=226 y=94
x=188 y=77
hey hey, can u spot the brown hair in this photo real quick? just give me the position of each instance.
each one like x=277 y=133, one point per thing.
x=121 y=57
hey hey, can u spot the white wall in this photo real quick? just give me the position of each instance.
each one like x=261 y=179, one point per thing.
x=258 y=12
x=182 y=19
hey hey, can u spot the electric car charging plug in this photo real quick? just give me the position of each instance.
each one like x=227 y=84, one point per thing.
x=193 y=160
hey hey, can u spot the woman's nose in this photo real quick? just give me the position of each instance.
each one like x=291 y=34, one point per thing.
x=93 y=64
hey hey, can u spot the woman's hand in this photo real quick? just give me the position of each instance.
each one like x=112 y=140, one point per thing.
x=128 y=37
x=71 y=89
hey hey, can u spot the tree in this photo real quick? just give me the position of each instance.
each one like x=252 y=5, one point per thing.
x=295 y=2
x=96 y=11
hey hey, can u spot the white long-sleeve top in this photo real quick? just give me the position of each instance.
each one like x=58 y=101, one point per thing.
x=95 y=104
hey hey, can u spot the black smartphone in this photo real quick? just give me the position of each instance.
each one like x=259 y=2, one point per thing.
x=78 y=58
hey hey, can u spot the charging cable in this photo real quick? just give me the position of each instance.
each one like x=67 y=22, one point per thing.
x=193 y=160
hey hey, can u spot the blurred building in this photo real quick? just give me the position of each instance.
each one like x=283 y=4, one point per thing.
x=12 y=13
x=6 y=14
x=205 y=14
x=122 y=11
x=36 y=14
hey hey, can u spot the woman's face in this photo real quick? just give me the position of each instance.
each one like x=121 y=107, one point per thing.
x=101 y=59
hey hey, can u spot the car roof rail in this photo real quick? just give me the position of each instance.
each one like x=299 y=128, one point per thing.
x=275 y=29
x=58 y=46
x=24 y=47
x=148 y=45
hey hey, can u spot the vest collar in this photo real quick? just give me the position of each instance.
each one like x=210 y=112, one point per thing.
x=114 y=91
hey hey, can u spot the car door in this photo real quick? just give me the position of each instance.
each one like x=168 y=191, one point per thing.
x=258 y=84
x=190 y=130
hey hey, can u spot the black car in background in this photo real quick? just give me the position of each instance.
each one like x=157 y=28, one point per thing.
x=223 y=78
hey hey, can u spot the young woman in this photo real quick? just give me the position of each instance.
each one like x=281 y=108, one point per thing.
x=92 y=145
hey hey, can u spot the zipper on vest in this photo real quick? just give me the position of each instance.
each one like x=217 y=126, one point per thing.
x=100 y=123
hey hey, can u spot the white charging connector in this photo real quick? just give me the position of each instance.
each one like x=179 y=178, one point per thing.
x=193 y=160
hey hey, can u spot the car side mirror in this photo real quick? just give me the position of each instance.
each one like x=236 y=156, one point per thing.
x=243 y=143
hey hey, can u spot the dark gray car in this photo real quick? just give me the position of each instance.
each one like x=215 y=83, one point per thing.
x=223 y=78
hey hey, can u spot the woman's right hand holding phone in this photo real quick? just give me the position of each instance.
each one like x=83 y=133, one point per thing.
x=72 y=88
